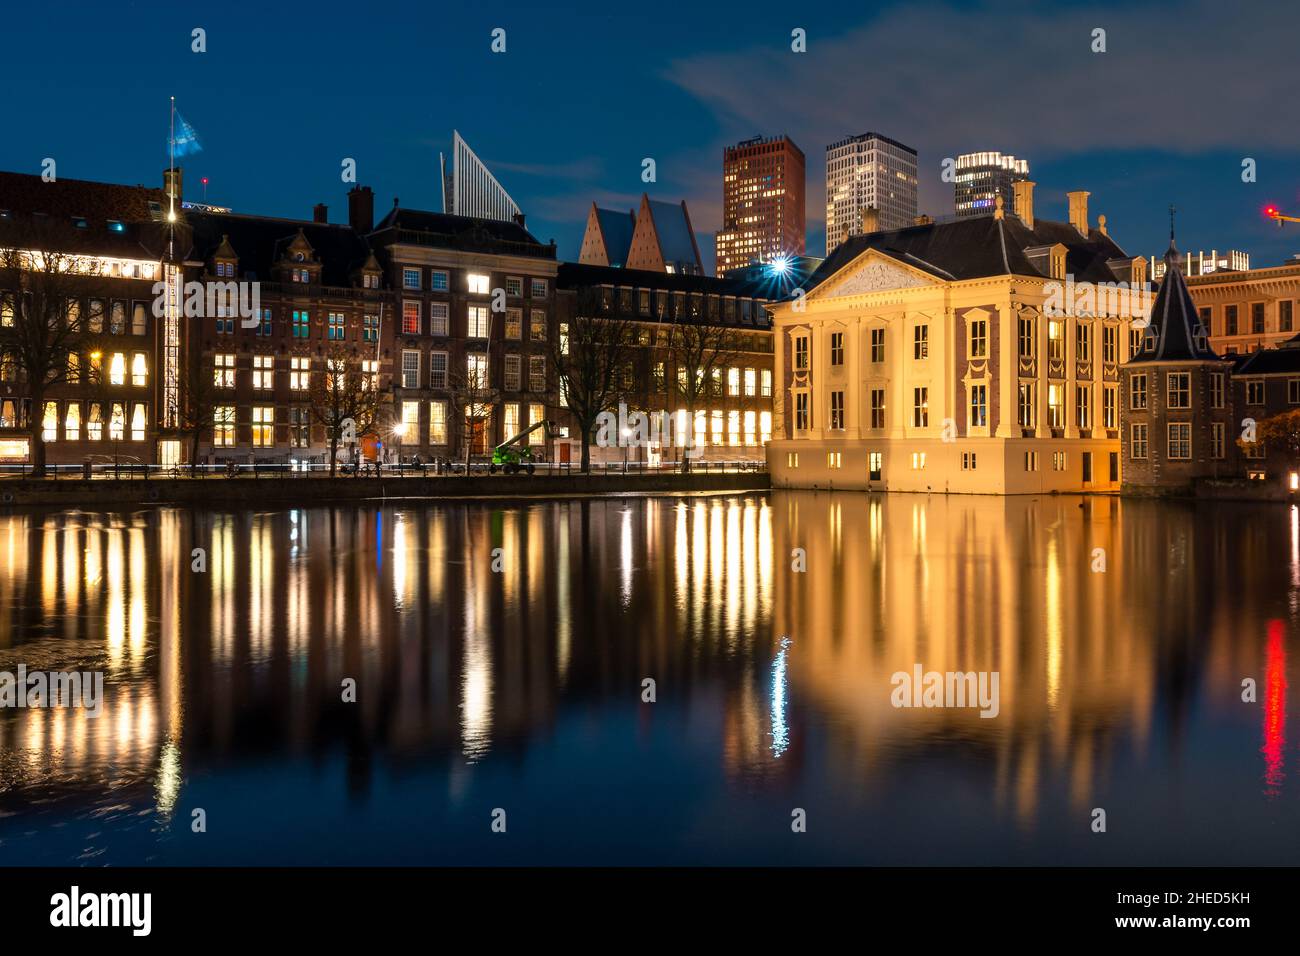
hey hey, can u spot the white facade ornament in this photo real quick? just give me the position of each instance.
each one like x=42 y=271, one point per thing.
x=876 y=277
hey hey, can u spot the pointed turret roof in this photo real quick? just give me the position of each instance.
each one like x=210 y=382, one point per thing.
x=1175 y=333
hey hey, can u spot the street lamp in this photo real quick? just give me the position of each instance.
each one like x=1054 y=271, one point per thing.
x=399 y=432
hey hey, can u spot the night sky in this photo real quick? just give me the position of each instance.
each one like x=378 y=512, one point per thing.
x=585 y=91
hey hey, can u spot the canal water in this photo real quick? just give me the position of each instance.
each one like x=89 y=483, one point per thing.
x=381 y=684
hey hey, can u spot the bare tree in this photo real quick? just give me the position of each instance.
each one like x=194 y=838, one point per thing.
x=591 y=358
x=344 y=400
x=471 y=399
x=45 y=335
x=196 y=406
x=700 y=353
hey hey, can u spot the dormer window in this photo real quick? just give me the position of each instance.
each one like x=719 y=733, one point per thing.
x=80 y=222
x=1058 y=262
x=301 y=275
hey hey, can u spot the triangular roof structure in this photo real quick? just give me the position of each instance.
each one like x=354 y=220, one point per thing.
x=470 y=189
x=1175 y=333
x=608 y=237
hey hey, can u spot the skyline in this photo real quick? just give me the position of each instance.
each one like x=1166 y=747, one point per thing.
x=585 y=115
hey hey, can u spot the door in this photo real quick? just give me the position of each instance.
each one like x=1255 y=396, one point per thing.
x=169 y=453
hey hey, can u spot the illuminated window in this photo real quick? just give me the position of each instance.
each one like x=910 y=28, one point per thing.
x=95 y=422
x=1056 y=406
x=139 y=370
x=837 y=348
x=875 y=465
x=369 y=328
x=512 y=373
x=117 y=369
x=733 y=381
x=438 y=281
x=979 y=342
x=117 y=422
x=921 y=342
x=223 y=370
x=299 y=373
x=535 y=414
x=337 y=329
x=716 y=423
x=50 y=422
x=1055 y=341
x=918 y=461
x=478 y=284
x=837 y=410
x=792 y=459
x=72 y=422
x=139 y=421
x=514 y=323
x=476 y=371
x=301 y=323
x=921 y=407
x=1138 y=440
x=438 y=318
x=733 y=428
x=263 y=371
x=438 y=423
x=263 y=426
x=410 y=368
x=877 y=345
x=537 y=325
x=223 y=426
x=478 y=322
x=511 y=420
x=537 y=373
x=410 y=278
x=751 y=422
x=410 y=318
x=979 y=406
x=834 y=459
x=765 y=382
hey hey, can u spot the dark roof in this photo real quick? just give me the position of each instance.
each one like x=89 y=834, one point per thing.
x=979 y=246
x=260 y=242
x=470 y=233
x=66 y=198
x=1285 y=359
x=1175 y=333
x=676 y=240
x=577 y=275
x=616 y=228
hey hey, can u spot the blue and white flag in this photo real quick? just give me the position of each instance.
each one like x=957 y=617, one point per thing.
x=185 y=141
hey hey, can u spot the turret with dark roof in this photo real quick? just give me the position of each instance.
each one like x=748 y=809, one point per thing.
x=1175 y=332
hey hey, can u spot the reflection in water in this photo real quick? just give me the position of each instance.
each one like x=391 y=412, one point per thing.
x=499 y=654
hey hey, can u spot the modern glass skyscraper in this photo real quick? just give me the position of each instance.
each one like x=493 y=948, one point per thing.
x=983 y=176
x=762 y=202
x=469 y=189
x=868 y=171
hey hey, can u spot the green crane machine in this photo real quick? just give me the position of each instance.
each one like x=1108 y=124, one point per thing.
x=515 y=454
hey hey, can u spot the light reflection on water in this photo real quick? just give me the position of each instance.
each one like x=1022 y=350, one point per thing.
x=513 y=677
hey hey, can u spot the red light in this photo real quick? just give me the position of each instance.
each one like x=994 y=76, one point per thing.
x=205 y=182
x=1268 y=210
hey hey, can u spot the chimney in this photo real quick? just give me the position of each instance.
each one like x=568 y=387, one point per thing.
x=870 y=220
x=519 y=218
x=1079 y=211
x=361 y=209
x=1023 y=198
x=172 y=183
x=320 y=213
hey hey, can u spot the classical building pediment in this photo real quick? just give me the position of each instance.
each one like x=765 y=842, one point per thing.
x=872 y=272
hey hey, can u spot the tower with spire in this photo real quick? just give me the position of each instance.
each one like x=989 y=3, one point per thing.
x=1176 y=405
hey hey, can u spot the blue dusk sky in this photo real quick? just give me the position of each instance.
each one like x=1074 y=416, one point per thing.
x=1183 y=94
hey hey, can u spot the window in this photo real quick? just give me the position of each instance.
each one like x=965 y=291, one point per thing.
x=802 y=420
x=877 y=345
x=1137 y=392
x=514 y=287
x=223 y=370
x=1135 y=340
x=1180 y=441
x=801 y=353
x=72 y=422
x=877 y=408
x=1293 y=391
x=792 y=459
x=476 y=371
x=1055 y=340
x=1216 y=389
x=643 y=301
x=733 y=428
x=263 y=426
x=513 y=365
x=410 y=368
x=264 y=327
x=1082 y=343
x=410 y=278
x=1031 y=461
x=514 y=323
x=535 y=414
x=733 y=381
x=1257 y=317
x=478 y=283
x=370 y=281
x=117 y=318
x=301 y=323
x=921 y=342
x=299 y=427
x=979 y=406
x=1286 y=315
x=1083 y=406
x=834 y=459
x=1216 y=440
x=1058 y=461
x=1109 y=344
x=837 y=410
x=537 y=325
x=765 y=382
x=764 y=427
x=438 y=423
x=750 y=421
x=537 y=373
x=968 y=461
x=117 y=369
x=95 y=422
x=837 y=348
x=6 y=310
x=979 y=341
x=139 y=323
x=263 y=366
x=369 y=328
x=921 y=407
x=1254 y=391
x=370 y=374
x=96 y=316
x=1028 y=339
x=539 y=288
x=50 y=422
x=918 y=461
x=511 y=421
x=299 y=373
x=410 y=318
x=337 y=329
x=223 y=425
x=1056 y=406
x=716 y=420
x=751 y=382
x=1179 y=389
x=1229 y=320
x=438 y=318
x=478 y=322
x=139 y=370
x=1027 y=401
x=438 y=281
x=139 y=422
x=1109 y=407
x=875 y=465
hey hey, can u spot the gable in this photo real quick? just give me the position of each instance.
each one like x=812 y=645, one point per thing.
x=872 y=272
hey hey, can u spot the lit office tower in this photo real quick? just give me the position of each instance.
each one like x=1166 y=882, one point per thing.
x=983 y=176
x=863 y=172
x=762 y=202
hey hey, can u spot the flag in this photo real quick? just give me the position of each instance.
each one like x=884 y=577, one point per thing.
x=185 y=141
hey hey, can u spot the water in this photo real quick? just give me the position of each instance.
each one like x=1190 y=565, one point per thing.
x=520 y=689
